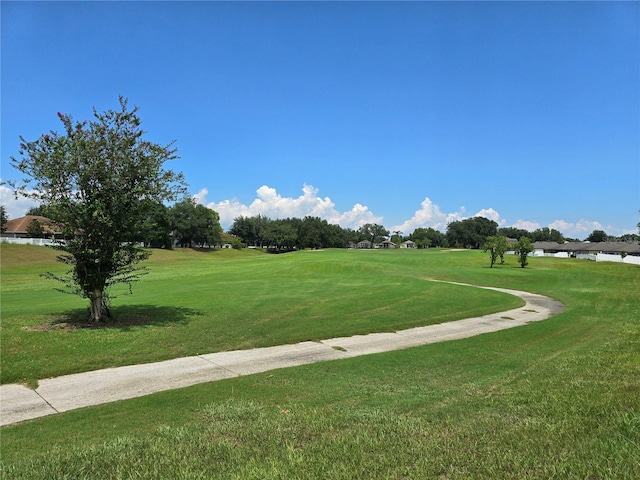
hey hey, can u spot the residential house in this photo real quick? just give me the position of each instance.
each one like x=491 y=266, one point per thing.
x=18 y=227
x=17 y=230
x=598 y=251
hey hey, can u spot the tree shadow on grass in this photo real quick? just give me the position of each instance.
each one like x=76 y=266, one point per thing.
x=123 y=318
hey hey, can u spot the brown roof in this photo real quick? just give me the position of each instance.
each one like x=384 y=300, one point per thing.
x=20 y=225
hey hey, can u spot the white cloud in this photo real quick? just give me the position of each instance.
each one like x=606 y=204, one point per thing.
x=561 y=226
x=526 y=225
x=273 y=205
x=588 y=226
x=15 y=207
x=429 y=215
x=580 y=229
x=201 y=196
x=270 y=203
x=356 y=217
x=490 y=214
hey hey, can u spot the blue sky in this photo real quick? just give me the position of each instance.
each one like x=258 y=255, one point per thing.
x=407 y=114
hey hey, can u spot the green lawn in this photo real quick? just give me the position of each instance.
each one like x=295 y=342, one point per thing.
x=554 y=399
x=203 y=302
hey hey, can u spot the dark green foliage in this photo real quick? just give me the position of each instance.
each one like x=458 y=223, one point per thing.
x=281 y=235
x=290 y=233
x=195 y=224
x=497 y=246
x=428 y=237
x=156 y=227
x=471 y=232
x=597 y=236
x=523 y=248
x=513 y=232
x=546 y=235
x=250 y=229
x=539 y=235
x=98 y=179
x=3 y=218
x=34 y=229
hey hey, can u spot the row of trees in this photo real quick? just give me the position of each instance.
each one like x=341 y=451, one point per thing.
x=313 y=232
x=295 y=233
x=474 y=232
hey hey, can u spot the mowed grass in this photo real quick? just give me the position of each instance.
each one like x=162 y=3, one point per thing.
x=195 y=302
x=553 y=399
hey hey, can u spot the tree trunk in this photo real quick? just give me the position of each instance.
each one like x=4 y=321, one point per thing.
x=99 y=310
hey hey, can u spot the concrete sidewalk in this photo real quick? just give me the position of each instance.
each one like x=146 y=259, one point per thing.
x=55 y=395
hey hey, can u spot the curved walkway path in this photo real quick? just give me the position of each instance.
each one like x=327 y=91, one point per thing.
x=60 y=394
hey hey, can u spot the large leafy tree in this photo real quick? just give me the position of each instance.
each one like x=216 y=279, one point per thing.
x=597 y=236
x=282 y=234
x=156 y=227
x=428 y=237
x=98 y=179
x=250 y=229
x=421 y=238
x=313 y=233
x=195 y=224
x=471 y=232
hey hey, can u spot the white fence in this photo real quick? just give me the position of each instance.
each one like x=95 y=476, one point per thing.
x=540 y=253
x=610 y=257
x=28 y=241
x=588 y=256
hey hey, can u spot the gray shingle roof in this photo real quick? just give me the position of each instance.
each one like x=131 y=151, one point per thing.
x=594 y=247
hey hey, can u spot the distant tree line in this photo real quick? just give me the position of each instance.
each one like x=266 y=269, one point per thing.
x=313 y=232
x=189 y=224
x=294 y=233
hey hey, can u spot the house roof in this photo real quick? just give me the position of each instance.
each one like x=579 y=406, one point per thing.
x=549 y=246
x=20 y=225
x=604 y=247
